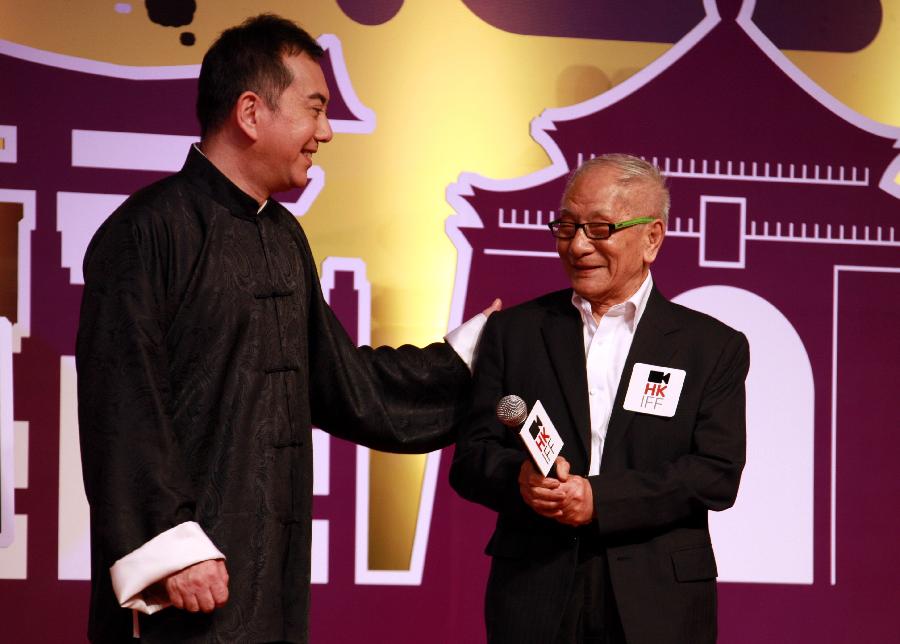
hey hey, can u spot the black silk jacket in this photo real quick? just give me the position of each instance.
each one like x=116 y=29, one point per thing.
x=205 y=352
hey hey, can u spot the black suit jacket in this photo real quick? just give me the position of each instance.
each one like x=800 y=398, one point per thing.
x=658 y=478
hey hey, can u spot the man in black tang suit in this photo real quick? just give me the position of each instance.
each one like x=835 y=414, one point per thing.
x=205 y=353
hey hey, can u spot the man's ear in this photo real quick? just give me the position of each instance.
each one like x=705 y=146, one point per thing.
x=247 y=113
x=653 y=239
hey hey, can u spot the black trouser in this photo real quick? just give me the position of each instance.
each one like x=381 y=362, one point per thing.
x=591 y=615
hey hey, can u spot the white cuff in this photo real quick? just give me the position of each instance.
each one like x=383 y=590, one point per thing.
x=464 y=338
x=168 y=552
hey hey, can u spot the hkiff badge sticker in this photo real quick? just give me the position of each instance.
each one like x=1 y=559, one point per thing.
x=541 y=438
x=654 y=390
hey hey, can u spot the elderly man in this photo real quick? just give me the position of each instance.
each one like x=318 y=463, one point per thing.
x=648 y=397
x=205 y=352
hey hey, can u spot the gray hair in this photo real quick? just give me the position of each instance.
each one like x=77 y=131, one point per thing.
x=631 y=169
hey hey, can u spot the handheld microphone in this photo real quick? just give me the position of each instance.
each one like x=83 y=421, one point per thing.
x=512 y=411
x=541 y=439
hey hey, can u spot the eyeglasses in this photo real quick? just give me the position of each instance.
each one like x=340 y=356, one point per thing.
x=593 y=229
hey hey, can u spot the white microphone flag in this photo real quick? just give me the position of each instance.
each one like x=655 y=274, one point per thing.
x=541 y=438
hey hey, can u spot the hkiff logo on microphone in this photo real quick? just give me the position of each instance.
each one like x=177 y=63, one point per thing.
x=541 y=438
x=655 y=390
x=543 y=441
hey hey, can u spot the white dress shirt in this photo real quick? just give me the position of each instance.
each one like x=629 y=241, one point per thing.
x=606 y=347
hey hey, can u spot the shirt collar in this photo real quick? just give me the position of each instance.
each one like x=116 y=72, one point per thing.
x=632 y=308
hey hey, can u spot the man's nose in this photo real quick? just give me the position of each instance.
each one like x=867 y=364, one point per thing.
x=324 y=133
x=580 y=242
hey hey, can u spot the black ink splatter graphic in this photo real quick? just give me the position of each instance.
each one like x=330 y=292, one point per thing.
x=173 y=13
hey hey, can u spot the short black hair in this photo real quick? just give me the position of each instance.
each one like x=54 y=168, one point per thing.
x=249 y=58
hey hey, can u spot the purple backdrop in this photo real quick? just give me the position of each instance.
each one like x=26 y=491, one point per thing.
x=783 y=193
x=778 y=191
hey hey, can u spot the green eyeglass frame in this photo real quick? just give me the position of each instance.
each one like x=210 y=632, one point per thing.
x=593 y=229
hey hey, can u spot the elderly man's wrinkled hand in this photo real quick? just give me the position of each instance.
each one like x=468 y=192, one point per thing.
x=577 y=506
x=540 y=493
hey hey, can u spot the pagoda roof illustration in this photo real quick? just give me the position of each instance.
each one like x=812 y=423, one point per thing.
x=721 y=112
x=83 y=134
x=347 y=113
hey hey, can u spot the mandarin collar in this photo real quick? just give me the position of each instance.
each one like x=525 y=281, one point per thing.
x=201 y=172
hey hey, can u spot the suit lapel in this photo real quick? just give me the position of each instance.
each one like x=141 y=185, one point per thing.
x=654 y=343
x=564 y=339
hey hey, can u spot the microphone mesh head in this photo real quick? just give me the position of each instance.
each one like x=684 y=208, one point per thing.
x=512 y=410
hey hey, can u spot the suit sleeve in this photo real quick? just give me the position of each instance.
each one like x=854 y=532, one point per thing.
x=404 y=400
x=706 y=478
x=487 y=459
x=134 y=475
